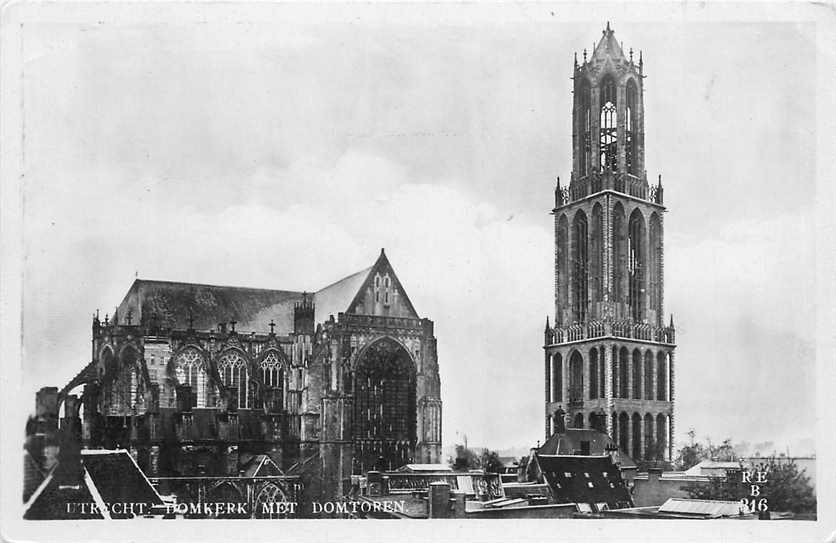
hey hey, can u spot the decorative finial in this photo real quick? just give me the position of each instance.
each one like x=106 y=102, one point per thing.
x=107 y=318
x=584 y=55
x=232 y=325
x=576 y=59
x=272 y=326
x=671 y=324
x=608 y=27
x=382 y=252
x=115 y=315
x=631 y=55
x=547 y=323
x=660 y=179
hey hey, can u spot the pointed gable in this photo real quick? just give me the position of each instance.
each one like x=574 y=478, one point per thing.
x=608 y=47
x=382 y=293
x=375 y=291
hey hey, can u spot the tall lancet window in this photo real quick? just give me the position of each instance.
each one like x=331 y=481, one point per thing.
x=580 y=275
x=233 y=370
x=630 y=151
x=585 y=127
x=609 y=136
x=636 y=265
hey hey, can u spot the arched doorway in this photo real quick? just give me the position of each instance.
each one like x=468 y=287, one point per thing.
x=384 y=407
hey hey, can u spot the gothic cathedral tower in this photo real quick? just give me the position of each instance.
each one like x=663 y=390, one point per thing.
x=609 y=356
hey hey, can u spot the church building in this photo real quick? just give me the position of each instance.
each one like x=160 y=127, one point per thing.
x=199 y=380
x=609 y=360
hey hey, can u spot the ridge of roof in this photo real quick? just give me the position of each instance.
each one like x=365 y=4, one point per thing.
x=207 y=285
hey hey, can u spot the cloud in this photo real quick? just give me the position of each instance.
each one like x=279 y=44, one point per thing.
x=463 y=263
x=286 y=157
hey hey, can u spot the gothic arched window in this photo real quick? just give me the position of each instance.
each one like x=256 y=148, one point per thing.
x=636 y=265
x=596 y=261
x=655 y=265
x=190 y=369
x=637 y=375
x=630 y=150
x=562 y=267
x=585 y=127
x=557 y=378
x=233 y=370
x=609 y=132
x=649 y=393
x=580 y=279
x=593 y=374
x=661 y=377
x=619 y=252
x=576 y=377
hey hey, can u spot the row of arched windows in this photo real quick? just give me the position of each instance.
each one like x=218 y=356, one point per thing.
x=636 y=262
x=190 y=368
x=608 y=126
x=633 y=375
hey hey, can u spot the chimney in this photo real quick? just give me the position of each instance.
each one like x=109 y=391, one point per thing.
x=439 y=500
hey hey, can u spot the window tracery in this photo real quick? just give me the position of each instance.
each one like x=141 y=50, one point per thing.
x=233 y=369
x=190 y=369
x=608 y=130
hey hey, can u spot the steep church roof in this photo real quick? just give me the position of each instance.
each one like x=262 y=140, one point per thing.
x=336 y=297
x=608 y=47
x=176 y=305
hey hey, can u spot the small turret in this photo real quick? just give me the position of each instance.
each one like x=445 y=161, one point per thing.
x=303 y=315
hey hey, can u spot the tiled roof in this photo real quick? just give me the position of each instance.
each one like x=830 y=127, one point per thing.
x=569 y=442
x=336 y=297
x=585 y=479
x=107 y=477
x=208 y=305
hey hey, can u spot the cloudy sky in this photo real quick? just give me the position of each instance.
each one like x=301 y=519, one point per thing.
x=286 y=155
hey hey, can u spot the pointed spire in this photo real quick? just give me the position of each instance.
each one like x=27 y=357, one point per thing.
x=382 y=252
x=660 y=179
x=576 y=60
x=547 y=324
x=608 y=30
x=671 y=324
